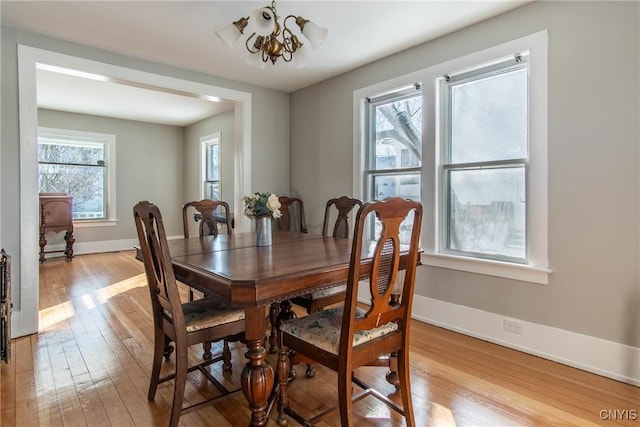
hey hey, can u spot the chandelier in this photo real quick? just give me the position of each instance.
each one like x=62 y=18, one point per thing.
x=269 y=41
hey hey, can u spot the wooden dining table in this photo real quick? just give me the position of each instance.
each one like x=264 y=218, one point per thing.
x=243 y=274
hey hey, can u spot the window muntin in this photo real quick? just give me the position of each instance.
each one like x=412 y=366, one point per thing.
x=76 y=163
x=485 y=146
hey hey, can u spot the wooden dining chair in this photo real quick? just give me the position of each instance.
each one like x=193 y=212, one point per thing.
x=336 y=216
x=194 y=322
x=340 y=208
x=209 y=221
x=349 y=337
x=292 y=219
x=208 y=225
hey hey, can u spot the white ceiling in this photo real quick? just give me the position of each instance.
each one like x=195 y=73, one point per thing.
x=182 y=34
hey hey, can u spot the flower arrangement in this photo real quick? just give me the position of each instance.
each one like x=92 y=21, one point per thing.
x=262 y=204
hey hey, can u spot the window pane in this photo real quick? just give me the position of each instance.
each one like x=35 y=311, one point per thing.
x=487 y=212
x=71 y=153
x=397 y=134
x=213 y=162
x=212 y=190
x=84 y=183
x=404 y=185
x=489 y=118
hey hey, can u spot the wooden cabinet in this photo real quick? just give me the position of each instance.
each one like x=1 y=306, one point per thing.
x=56 y=214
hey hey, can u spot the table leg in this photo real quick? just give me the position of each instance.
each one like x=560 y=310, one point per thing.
x=68 y=237
x=43 y=243
x=257 y=376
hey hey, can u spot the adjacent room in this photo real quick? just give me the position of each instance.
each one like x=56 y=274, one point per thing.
x=376 y=213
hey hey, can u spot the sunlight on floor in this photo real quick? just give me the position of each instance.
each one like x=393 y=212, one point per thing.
x=110 y=291
x=63 y=311
x=88 y=301
x=441 y=416
x=52 y=315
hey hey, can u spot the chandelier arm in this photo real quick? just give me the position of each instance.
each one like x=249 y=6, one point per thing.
x=287 y=56
x=290 y=41
x=256 y=48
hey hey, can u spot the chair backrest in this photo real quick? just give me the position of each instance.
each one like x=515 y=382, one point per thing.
x=208 y=225
x=344 y=205
x=292 y=218
x=385 y=266
x=165 y=297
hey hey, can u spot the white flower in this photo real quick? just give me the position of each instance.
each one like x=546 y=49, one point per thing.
x=274 y=205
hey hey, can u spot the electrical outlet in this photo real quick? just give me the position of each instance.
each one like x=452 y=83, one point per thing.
x=512 y=325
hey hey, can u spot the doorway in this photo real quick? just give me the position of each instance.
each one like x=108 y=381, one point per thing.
x=26 y=303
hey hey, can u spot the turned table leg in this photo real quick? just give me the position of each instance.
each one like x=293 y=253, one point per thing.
x=70 y=240
x=257 y=377
x=43 y=243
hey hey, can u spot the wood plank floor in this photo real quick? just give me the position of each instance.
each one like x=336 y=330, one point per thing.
x=89 y=366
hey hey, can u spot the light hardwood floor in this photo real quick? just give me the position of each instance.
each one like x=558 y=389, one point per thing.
x=89 y=366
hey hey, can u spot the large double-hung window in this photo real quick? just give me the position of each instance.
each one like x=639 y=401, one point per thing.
x=483 y=172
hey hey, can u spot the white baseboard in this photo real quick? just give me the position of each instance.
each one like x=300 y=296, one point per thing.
x=602 y=357
x=596 y=355
x=83 y=248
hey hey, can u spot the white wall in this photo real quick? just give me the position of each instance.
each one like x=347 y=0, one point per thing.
x=594 y=219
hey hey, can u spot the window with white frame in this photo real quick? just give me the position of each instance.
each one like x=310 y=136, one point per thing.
x=394 y=146
x=81 y=164
x=211 y=166
x=483 y=169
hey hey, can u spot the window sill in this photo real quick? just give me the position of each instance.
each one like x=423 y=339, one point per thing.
x=525 y=273
x=94 y=223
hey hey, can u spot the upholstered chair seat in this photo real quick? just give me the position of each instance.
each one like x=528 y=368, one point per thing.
x=208 y=312
x=322 y=329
